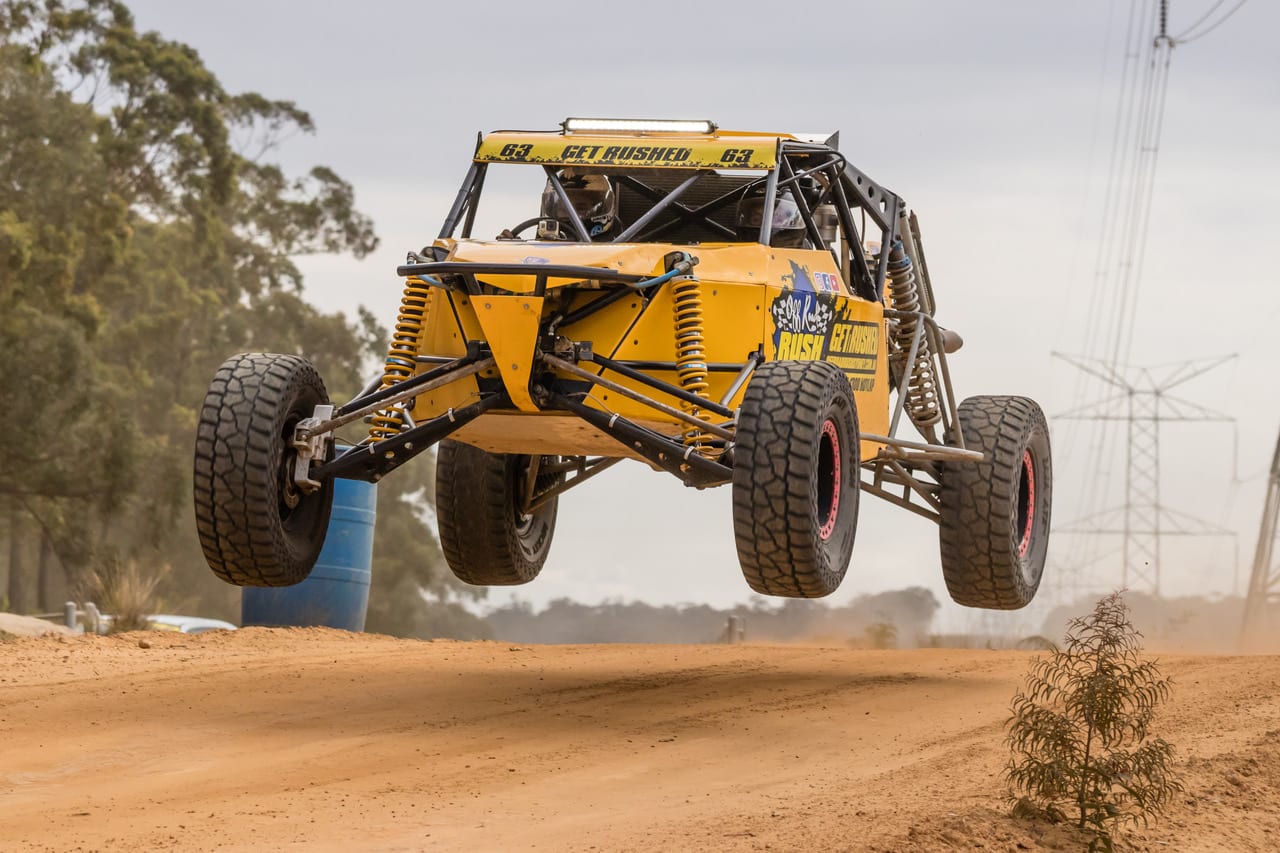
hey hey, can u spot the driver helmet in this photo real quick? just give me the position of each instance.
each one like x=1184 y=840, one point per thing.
x=592 y=197
x=788 y=223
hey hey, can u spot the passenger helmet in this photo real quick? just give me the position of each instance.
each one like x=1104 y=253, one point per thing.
x=788 y=224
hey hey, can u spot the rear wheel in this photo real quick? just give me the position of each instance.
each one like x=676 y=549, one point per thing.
x=486 y=539
x=795 y=479
x=255 y=526
x=995 y=514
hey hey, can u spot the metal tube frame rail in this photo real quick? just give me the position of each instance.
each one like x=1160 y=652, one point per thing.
x=540 y=273
x=585 y=468
x=892 y=472
x=371 y=462
x=657 y=384
x=457 y=369
x=950 y=418
x=898 y=462
x=669 y=454
x=693 y=420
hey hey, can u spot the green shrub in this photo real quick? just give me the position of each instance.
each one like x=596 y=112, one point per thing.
x=1079 y=740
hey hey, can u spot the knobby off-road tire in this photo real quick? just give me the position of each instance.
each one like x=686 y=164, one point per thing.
x=255 y=526
x=486 y=540
x=795 y=479
x=995 y=514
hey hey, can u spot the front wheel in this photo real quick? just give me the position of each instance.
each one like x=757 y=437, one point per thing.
x=995 y=514
x=486 y=538
x=255 y=526
x=795 y=479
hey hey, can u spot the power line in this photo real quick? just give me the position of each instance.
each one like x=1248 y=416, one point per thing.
x=1143 y=214
x=1113 y=282
x=1114 y=299
x=1200 y=20
x=1185 y=38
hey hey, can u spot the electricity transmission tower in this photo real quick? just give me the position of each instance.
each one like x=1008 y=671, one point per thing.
x=1142 y=400
x=1264 y=582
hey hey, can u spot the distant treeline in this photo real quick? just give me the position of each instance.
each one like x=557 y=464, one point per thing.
x=896 y=619
x=887 y=619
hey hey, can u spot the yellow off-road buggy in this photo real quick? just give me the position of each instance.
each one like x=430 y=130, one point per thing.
x=743 y=309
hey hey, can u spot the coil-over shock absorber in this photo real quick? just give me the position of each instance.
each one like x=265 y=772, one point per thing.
x=402 y=354
x=916 y=380
x=691 y=358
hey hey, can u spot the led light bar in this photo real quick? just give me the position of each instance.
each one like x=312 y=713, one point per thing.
x=628 y=125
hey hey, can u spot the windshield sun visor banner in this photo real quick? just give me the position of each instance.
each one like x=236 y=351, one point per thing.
x=655 y=152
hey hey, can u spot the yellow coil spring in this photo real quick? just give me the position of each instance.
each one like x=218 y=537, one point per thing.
x=402 y=354
x=921 y=385
x=691 y=359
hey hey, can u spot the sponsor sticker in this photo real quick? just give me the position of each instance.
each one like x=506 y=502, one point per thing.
x=852 y=345
x=827 y=282
x=815 y=326
x=578 y=150
x=801 y=278
x=801 y=322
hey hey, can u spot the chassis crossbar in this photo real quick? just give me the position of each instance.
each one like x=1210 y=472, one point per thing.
x=541 y=271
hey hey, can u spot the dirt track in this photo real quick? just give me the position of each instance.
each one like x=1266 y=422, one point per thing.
x=310 y=739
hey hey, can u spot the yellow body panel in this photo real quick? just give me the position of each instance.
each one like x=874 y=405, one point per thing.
x=787 y=303
x=510 y=326
x=442 y=336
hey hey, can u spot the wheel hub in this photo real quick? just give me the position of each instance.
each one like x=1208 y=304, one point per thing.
x=828 y=479
x=1026 y=503
x=290 y=494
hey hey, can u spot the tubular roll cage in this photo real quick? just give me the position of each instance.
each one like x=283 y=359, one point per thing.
x=904 y=472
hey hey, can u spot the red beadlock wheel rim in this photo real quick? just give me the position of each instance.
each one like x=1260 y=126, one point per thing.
x=828 y=478
x=1026 y=503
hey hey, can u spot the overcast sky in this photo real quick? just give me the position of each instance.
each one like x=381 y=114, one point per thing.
x=992 y=119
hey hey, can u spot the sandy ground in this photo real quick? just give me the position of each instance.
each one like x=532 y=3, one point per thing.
x=319 y=740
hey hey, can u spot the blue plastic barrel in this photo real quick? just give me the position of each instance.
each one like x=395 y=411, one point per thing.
x=336 y=594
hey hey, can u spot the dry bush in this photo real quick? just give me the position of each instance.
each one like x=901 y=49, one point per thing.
x=125 y=592
x=1079 y=736
x=1036 y=643
x=882 y=635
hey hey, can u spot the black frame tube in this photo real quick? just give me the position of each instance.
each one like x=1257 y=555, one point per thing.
x=585 y=471
x=792 y=182
x=463 y=197
x=864 y=284
x=540 y=273
x=473 y=201
x=665 y=387
x=565 y=202
x=770 y=198
x=652 y=213
x=712 y=366
x=371 y=462
x=610 y=297
x=687 y=213
x=673 y=457
x=421 y=379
